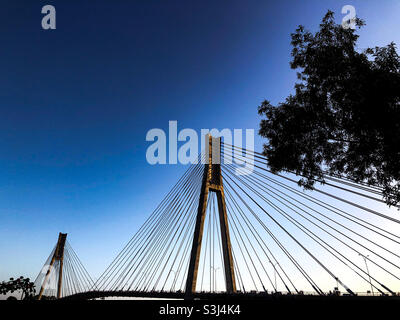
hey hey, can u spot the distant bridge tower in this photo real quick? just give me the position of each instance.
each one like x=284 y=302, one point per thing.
x=212 y=181
x=57 y=256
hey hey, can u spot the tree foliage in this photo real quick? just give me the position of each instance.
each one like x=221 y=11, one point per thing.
x=24 y=284
x=344 y=115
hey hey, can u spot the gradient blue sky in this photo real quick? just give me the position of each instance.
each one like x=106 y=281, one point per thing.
x=76 y=104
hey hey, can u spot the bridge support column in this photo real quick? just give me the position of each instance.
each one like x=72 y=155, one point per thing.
x=212 y=181
x=58 y=255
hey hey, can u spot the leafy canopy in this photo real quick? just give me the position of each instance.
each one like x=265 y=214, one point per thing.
x=24 y=284
x=344 y=117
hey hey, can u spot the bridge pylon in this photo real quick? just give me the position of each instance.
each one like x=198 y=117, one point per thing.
x=57 y=256
x=212 y=182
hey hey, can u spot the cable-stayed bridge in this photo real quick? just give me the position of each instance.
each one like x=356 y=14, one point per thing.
x=228 y=230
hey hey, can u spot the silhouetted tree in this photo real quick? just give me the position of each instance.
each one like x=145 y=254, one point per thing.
x=24 y=284
x=344 y=116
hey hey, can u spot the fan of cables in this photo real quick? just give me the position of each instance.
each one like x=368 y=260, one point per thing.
x=339 y=237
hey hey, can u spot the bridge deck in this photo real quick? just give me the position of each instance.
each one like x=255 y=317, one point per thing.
x=220 y=296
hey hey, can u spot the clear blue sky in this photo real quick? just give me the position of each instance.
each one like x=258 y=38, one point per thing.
x=76 y=104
